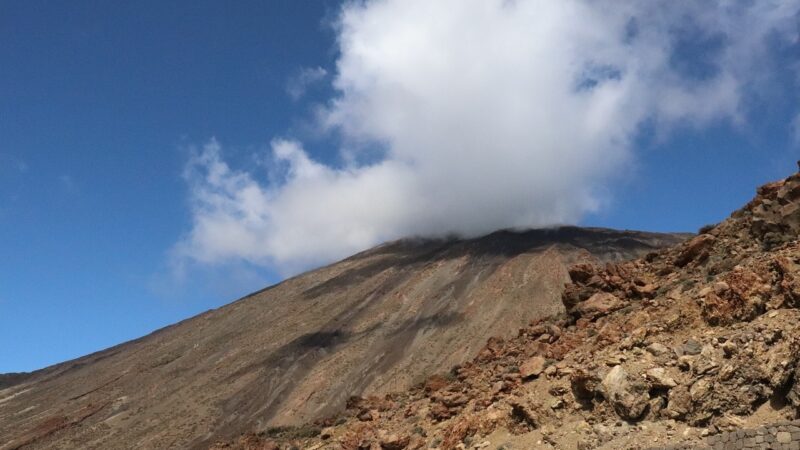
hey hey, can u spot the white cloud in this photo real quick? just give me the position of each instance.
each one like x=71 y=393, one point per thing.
x=490 y=114
x=298 y=84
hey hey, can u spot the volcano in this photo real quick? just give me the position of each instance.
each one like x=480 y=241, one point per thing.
x=377 y=322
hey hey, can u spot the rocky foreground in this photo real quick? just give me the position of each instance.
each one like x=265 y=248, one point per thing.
x=695 y=346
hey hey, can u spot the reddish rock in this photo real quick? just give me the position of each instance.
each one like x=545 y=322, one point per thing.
x=532 y=367
x=599 y=305
x=694 y=249
x=392 y=441
x=435 y=383
x=580 y=273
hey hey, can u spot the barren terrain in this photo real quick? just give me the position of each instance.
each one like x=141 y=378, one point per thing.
x=375 y=323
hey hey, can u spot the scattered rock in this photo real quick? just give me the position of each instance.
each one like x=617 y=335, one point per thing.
x=696 y=249
x=392 y=441
x=679 y=402
x=599 y=305
x=729 y=349
x=659 y=378
x=657 y=349
x=532 y=367
x=700 y=389
x=692 y=347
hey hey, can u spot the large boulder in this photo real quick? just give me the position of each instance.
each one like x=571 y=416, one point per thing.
x=392 y=441
x=696 y=249
x=598 y=305
x=627 y=395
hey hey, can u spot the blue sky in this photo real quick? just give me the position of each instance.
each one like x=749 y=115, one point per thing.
x=107 y=111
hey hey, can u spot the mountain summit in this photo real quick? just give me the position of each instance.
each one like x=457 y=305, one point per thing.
x=374 y=323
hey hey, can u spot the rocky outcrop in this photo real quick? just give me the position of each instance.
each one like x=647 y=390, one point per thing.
x=696 y=249
x=775 y=213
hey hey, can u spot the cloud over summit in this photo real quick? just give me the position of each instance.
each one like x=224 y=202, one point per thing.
x=488 y=114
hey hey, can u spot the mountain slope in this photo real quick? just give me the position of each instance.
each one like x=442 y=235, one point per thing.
x=694 y=346
x=373 y=323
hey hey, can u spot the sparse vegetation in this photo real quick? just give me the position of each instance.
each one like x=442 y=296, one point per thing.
x=707 y=228
x=292 y=432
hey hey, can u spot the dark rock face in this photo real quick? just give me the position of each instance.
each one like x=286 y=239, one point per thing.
x=377 y=322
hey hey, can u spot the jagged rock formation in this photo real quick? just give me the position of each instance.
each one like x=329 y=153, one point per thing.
x=687 y=342
x=374 y=323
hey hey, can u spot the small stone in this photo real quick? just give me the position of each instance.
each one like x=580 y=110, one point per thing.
x=532 y=367
x=558 y=404
x=727 y=372
x=660 y=379
x=729 y=349
x=784 y=437
x=692 y=347
x=657 y=349
x=685 y=362
x=498 y=387
x=700 y=389
x=721 y=287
